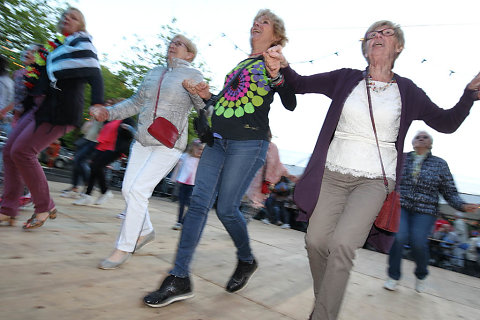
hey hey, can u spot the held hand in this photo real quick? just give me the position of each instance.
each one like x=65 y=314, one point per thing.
x=272 y=65
x=99 y=112
x=475 y=85
x=276 y=53
x=203 y=90
x=189 y=85
x=470 y=207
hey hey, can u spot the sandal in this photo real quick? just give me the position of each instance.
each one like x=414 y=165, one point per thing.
x=33 y=222
x=8 y=219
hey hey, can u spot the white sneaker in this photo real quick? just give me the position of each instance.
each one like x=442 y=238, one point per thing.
x=420 y=285
x=390 y=284
x=84 y=200
x=121 y=215
x=104 y=197
x=177 y=226
x=285 y=226
x=70 y=194
x=266 y=221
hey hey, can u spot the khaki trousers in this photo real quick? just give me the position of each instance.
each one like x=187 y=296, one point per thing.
x=346 y=209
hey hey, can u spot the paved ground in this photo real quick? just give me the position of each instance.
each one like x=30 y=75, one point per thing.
x=50 y=273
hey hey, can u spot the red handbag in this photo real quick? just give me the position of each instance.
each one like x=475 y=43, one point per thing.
x=388 y=218
x=162 y=129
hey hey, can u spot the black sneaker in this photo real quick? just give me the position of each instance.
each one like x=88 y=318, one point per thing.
x=172 y=289
x=242 y=274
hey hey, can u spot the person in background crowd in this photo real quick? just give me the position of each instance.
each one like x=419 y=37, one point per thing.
x=275 y=204
x=343 y=186
x=150 y=161
x=240 y=142
x=267 y=176
x=85 y=150
x=53 y=150
x=27 y=57
x=114 y=139
x=185 y=177
x=7 y=91
x=424 y=178
x=56 y=109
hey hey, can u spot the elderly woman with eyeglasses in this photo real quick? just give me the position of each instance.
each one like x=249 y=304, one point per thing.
x=424 y=178
x=150 y=161
x=342 y=188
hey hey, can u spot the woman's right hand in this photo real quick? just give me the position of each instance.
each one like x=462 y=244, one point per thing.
x=99 y=112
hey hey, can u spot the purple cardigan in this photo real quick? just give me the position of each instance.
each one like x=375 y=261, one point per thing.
x=337 y=85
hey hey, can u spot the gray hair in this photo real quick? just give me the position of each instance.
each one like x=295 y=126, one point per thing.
x=426 y=133
x=398 y=34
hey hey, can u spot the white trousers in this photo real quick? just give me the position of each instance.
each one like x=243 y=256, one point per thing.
x=147 y=166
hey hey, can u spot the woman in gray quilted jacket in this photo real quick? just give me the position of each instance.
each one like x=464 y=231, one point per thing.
x=150 y=161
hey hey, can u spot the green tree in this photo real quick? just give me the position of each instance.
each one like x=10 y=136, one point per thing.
x=24 y=22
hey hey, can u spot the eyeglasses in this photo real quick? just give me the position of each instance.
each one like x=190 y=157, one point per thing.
x=422 y=137
x=385 y=32
x=178 y=44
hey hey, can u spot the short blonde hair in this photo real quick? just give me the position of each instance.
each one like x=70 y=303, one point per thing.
x=398 y=34
x=191 y=47
x=83 y=24
x=278 y=26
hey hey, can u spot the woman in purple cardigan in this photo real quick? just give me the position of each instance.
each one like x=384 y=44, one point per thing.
x=342 y=188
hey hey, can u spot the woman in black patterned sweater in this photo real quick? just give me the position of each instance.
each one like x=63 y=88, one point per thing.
x=424 y=178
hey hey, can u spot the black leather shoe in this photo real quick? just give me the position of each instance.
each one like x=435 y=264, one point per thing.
x=172 y=289
x=242 y=274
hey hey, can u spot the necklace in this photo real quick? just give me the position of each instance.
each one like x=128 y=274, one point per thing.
x=254 y=54
x=372 y=84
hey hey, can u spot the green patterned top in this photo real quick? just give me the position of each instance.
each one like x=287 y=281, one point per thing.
x=242 y=112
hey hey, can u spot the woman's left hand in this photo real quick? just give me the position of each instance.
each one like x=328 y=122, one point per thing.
x=475 y=85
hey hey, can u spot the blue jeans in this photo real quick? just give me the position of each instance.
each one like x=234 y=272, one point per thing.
x=225 y=169
x=80 y=165
x=184 y=195
x=414 y=230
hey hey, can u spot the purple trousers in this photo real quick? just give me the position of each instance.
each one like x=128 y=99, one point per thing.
x=21 y=164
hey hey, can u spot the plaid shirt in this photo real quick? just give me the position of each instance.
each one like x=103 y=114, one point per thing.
x=422 y=194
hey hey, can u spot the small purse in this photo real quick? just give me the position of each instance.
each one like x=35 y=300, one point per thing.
x=388 y=218
x=162 y=129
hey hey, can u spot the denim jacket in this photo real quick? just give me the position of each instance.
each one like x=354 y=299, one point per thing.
x=434 y=178
x=174 y=102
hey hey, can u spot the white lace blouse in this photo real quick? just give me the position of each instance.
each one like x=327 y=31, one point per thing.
x=353 y=149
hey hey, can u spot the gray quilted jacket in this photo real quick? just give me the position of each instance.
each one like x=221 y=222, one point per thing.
x=174 y=102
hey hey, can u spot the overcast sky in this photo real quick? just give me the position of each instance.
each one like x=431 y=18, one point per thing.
x=323 y=37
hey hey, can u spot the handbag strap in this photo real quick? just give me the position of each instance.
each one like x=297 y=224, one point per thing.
x=158 y=93
x=215 y=98
x=385 y=181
